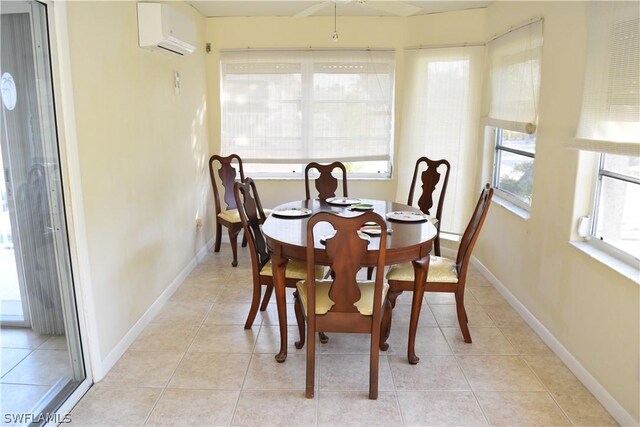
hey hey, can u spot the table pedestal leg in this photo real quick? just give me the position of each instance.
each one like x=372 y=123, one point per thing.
x=420 y=267
x=279 y=265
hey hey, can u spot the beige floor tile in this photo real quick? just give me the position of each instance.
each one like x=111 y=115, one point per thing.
x=447 y=317
x=431 y=373
x=242 y=275
x=503 y=315
x=407 y=298
x=270 y=315
x=181 y=313
x=214 y=371
x=525 y=340
x=235 y=294
x=572 y=396
x=475 y=279
x=401 y=316
x=183 y=407
x=440 y=408
x=350 y=372
x=356 y=409
x=21 y=338
x=114 y=406
x=429 y=342
x=499 y=373
x=198 y=292
x=529 y=408
x=143 y=369
x=213 y=273
x=41 y=367
x=486 y=295
x=345 y=343
x=224 y=339
x=11 y=357
x=269 y=340
x=266 y=374
x=230 y=314
x=165 y=337
x=440 y=298
x=58 y=342
x=484 y=341
x=20 y=399
x=275 y=408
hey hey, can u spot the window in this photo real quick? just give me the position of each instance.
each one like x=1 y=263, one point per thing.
x=283 y=109
x=514 y=80
x=617 y=203
x=441 y=108
x=513 y=168
x=610 y=126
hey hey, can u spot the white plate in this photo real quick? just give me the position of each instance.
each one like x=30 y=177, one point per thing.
x=342 y=201
x=373 y=230
x=292 y=213
x=407 y=216
x=362 y=235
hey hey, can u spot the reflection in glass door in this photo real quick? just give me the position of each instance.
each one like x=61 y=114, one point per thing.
x=39 y=338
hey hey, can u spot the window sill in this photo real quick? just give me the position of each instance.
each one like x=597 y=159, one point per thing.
x=511 y=207
x=627 y=270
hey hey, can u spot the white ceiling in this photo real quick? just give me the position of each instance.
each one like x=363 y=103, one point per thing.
x=228 y=8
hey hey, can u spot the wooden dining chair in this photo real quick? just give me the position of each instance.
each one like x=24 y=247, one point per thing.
x=326 y=184
x=429 y=179
x=225 y=169
x=342 y=303
x=252 y=216
x=445 y=275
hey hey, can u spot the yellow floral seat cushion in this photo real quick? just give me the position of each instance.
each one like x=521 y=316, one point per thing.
x=324 y=303
x=295 y=270
x=441 y=270
x=233 y=216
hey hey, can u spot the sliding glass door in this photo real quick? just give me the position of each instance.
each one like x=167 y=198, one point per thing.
x=39 y=335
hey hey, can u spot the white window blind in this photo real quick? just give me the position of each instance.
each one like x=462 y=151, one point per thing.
x=610 y=117
x=514 y=78
x=441 y=110
x=297 y=106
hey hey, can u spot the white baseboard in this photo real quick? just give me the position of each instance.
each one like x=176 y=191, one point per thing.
x=609 y=402
x=122 y=346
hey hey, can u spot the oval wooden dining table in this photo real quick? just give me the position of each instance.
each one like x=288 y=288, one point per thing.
x=407 y=241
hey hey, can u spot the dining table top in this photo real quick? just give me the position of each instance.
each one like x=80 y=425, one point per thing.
x=290 y=233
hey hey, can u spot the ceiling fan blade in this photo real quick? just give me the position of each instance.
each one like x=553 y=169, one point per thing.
x=312 y=9
x=398 y=8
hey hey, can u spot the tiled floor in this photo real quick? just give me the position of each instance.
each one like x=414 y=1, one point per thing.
x=196 y=365
x=31 y=365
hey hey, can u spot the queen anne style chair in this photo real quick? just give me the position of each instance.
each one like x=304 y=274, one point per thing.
x=445 y=275
x=430 y=178
x=326 y=184
x=251 y=217
x=226 y=172
x=342 y=303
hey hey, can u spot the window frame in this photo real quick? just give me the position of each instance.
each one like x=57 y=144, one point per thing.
x=497 y=148
x=595 y=241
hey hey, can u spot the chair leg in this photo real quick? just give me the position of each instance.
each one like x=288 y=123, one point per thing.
x=311 y=362
x=387 y=315
x=267 y=297
x=255 y=302
x=299 y=319
x=369 y=273
x=462 y=317
x=374 y=363
x=218 y=237
x=244 y=240
x=436 y=245
x=323 y=337
x=233 y=238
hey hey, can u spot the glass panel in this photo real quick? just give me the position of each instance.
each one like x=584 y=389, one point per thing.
x=515 y=175
x=625 y=165
x=42 y=353
x=618 y=213
x=518 y=141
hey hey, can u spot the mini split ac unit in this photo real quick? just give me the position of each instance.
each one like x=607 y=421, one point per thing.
x=162 y=28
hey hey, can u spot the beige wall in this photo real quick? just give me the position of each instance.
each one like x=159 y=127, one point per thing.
x=142 y=153
x=360 y=32
x=591 y=309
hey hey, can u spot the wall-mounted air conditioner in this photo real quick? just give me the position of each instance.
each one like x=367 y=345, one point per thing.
x=163 y=28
